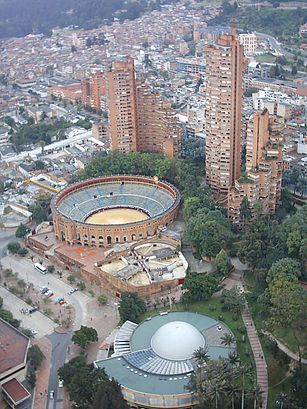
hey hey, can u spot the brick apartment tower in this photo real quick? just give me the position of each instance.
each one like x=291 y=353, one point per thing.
x=93 y=88
x=262 y=182
x=139 y=119
x=224 y=93
x=122 y=106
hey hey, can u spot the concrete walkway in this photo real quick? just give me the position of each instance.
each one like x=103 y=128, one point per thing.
x=42 y=375
x=261 y=367
x=285 y=349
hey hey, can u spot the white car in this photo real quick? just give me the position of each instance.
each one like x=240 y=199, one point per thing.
x=61 y=383
x=33 y=332
x=51 y=394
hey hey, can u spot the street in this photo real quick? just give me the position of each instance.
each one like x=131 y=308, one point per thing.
x=35 y=321
x=25 y=269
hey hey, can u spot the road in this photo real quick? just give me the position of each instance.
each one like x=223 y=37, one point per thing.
x=272 y=41
x=36 y=321
x=60 y=343
x=25 y=269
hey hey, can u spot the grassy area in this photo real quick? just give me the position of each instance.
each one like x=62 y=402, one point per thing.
x=269 y=58
x=213 y=308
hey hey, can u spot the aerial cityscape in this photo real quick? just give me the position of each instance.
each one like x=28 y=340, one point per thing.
x=153 y=207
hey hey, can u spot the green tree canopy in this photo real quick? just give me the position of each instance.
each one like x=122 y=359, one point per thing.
x=222 y=263
x=21 y=230
x=233 y=300
x=84 y=336
x=35 y=356
x=131 y=307
x=199 y=287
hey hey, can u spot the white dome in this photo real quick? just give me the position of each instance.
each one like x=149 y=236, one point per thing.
x=177 y=340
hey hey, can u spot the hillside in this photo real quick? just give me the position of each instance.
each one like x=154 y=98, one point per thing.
x=21 y=17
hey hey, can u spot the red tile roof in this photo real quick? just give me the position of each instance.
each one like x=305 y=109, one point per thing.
x=13 y=347
x=16 y=391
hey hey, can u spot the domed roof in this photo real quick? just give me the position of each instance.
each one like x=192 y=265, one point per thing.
x=177 y=340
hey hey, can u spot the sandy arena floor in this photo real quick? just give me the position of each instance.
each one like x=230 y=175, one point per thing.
x=117 y=216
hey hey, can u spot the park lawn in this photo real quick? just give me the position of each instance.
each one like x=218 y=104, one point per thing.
x=213 y=308
x=266 y=58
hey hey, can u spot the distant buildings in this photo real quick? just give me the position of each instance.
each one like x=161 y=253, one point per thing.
x=93 y=89
x=139 y=119
x=262 y=181
x=224 y=93
x=249 y=42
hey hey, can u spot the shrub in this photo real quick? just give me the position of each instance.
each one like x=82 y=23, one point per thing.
x=102 y=299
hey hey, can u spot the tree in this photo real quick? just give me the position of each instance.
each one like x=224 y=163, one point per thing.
x=233 y=300
x=201 y=355
x=84 y=336
x=102 y=299
x=31 y=378
x=293 y=69
x=14 y=247
x=131 y=307
x=21 y=230
x=35 y=356
x=90 y=387
x=39 y=164
x=51 y=268
x=228 y=339
x=81 y=380
x=222 y=263
x=71 y=278
x=1 y=302
x=109 y=396
x=199 y=287
x=287 y=267
x=245 y=210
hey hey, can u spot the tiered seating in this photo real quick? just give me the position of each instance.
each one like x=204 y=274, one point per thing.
x=81 y=203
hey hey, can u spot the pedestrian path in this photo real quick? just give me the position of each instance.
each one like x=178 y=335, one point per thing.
x=42 y=375
x=261 y=367
x=285 y=349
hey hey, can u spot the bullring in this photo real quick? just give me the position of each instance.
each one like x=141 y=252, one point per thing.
x=140 y=206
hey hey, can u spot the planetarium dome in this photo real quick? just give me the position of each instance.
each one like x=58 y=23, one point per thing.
x=177 y=340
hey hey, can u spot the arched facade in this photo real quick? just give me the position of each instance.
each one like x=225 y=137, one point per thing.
x=72 y=206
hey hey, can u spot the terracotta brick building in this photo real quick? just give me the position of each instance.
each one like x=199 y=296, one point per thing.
x=93 y=88
x=262 y=182
x=224 y=93
x=139 y=118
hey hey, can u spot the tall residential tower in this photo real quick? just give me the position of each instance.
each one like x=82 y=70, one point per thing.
x=139 y=118
x=224 y=92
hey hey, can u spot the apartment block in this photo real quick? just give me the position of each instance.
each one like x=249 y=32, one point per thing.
x=139 y=119
x=249 y=42
x=223 y=112
x=93 y=89
x=262 y=181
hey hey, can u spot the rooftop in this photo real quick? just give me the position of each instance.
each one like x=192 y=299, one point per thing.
x=13 y=347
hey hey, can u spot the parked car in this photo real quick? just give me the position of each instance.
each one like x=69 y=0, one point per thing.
x=62 y=302
x=33 y=309
x=59 y=299
x=51 y=394
x=33 y=332
x=60 y=383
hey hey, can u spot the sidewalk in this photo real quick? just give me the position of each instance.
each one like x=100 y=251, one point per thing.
x=42 y=375
x=285 y=349
x=261 y=367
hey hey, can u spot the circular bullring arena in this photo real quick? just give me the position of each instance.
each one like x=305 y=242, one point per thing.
x=113 y=209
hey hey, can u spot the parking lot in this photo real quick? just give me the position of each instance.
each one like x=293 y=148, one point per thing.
x=35 y=321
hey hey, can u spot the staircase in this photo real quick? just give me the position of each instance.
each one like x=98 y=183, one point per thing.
x=261 y=367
